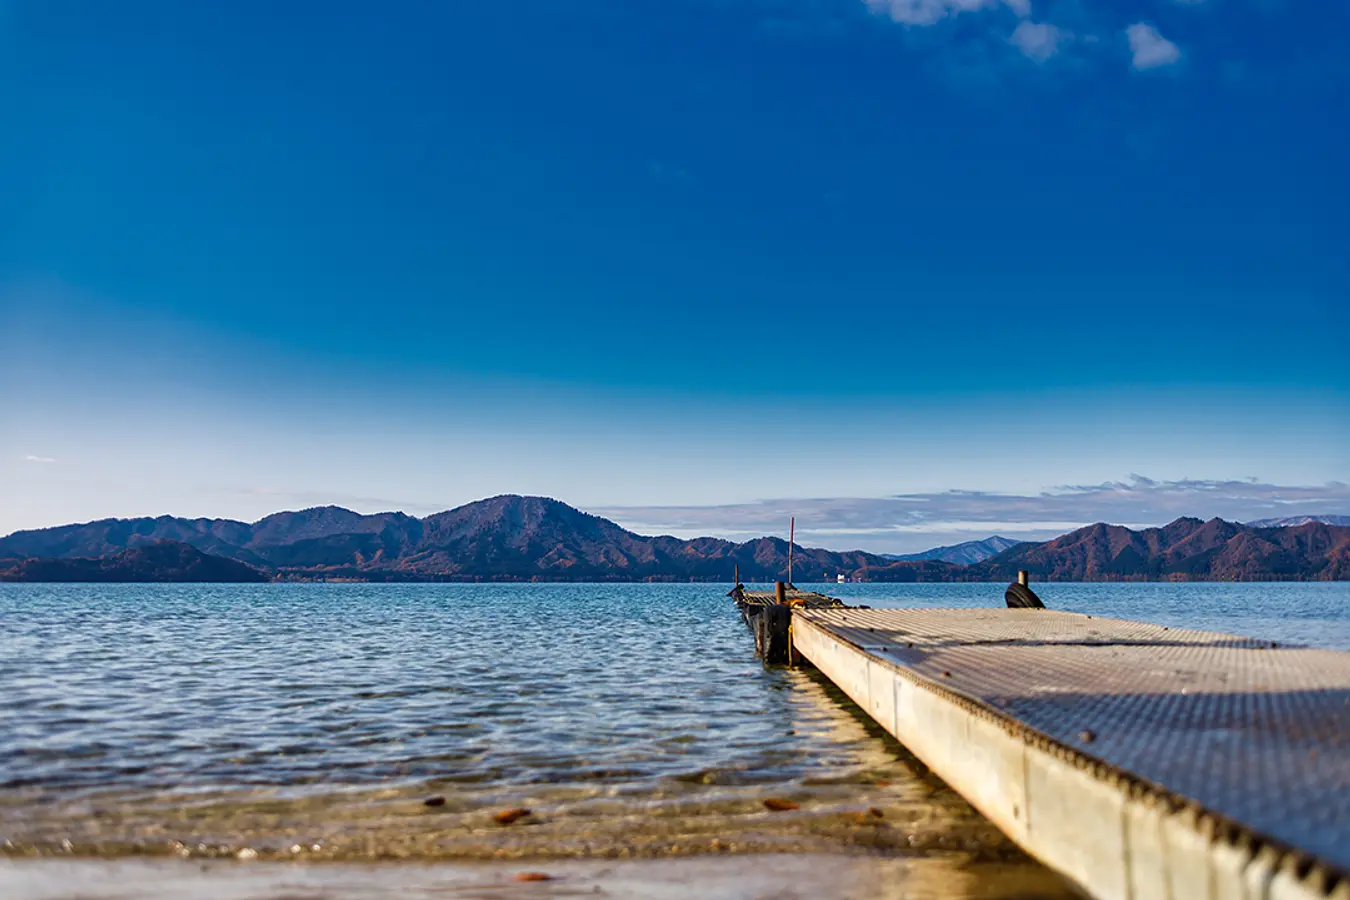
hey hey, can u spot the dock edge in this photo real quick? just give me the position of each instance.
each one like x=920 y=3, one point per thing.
x=1116 y=837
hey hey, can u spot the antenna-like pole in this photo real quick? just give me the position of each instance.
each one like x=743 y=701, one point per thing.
x=792 y=536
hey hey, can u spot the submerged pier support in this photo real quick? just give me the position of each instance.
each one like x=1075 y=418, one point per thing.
x=773 y=638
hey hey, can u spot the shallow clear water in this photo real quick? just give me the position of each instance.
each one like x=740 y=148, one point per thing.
x=632 y=720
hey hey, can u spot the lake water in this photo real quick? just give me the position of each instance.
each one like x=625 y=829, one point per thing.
x=313 y=721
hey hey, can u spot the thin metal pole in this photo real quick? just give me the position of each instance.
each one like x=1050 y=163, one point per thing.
x=792 y=536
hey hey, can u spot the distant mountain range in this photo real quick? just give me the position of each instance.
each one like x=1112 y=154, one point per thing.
x=506 y=538
x=512 y=538
x=1187 y=549
x=160 y=561
x=1300 y=520
x=963 y=554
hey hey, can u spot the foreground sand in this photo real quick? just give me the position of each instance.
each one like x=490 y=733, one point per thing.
x=820 y=877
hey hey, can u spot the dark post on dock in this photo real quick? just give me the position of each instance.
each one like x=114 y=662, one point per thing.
x=773 y=627
x=1020 y=595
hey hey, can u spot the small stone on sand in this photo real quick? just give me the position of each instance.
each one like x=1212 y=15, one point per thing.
x=533 y=876
x=507 y=816
x=773 y=804
x=434 y=801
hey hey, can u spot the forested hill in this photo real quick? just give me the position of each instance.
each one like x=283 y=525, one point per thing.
x=513 y=538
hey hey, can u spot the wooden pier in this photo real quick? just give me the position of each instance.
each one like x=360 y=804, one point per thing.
x=1136 y=760
x=768 y=614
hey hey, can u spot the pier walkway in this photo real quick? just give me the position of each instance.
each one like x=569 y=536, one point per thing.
x=1136 y=760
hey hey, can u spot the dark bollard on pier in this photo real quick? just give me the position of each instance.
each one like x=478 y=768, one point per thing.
x=1020 y=595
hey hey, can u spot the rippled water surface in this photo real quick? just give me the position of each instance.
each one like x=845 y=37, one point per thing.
x=631 y=720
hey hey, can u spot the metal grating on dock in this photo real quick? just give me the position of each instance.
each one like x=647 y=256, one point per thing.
x=793 y=597
x=1132 y=741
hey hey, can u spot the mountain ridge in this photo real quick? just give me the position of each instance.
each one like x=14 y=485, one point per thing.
x=508 y=537
x=1182 y=550
x=1287 y=521
x=963 y=554
x=161 y=561
x=515 y=538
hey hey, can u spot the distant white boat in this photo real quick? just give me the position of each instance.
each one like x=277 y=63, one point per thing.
x=840 y=579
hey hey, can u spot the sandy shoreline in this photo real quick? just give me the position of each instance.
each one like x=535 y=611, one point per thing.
x=818 y=876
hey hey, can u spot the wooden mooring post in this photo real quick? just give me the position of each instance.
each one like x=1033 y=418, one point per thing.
x=773 y=629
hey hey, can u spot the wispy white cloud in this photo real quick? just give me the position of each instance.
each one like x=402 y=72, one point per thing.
x=930 y=12
x=916 y=521
x=1038 y=40
x=46 y=460
x=1151 y=50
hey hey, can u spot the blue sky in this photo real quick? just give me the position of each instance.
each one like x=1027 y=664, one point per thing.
x=646 y=257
